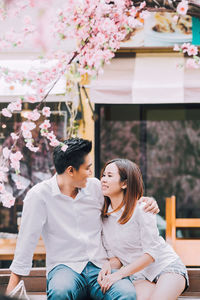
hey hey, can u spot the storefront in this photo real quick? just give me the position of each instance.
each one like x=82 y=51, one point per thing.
x=149 y=111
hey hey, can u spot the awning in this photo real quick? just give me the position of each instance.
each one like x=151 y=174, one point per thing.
x=147 y=78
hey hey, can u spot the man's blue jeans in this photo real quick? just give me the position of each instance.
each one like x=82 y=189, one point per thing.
x=65 y=284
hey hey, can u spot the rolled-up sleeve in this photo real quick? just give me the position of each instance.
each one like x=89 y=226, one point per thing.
x=33 y=220
x=149 y=233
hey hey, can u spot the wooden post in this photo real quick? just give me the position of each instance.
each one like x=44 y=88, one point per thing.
x=170 y=216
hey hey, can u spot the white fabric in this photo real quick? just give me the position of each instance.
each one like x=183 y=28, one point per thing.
x=19 y=291
x=71 y=228
x=138 y=236
x=147 y=78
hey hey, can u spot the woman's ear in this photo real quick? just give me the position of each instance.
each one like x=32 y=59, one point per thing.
x=124 y=185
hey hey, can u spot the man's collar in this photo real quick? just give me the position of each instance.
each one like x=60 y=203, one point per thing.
x=56 y=190
x=55 y=187
x=84 y=190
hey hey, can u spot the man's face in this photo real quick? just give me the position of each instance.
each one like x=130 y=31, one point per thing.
x=81 y=175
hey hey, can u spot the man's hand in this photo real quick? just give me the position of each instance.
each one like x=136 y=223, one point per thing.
x=151 y=205
x=13 y=282
x=108 y=281
x=106 y=269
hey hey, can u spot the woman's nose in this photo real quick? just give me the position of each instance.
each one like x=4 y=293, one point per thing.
x=103 y=179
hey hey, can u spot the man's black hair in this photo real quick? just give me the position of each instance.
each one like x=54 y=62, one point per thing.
x=73 y=156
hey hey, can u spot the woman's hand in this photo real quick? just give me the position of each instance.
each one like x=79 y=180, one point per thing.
x=151 y=205
x=109 y=280
x=106 y=270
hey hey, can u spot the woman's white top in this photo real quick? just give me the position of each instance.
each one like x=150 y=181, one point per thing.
x=138 y=236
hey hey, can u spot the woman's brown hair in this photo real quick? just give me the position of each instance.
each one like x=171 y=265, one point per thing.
x=130 y=173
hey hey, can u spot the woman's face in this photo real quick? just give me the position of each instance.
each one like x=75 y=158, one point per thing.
x=110 y=181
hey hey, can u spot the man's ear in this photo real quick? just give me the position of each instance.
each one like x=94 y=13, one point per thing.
x=70 y=171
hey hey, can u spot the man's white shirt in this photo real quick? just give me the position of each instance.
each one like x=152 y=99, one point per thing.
x=71 y=228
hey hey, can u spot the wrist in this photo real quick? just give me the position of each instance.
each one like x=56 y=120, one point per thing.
x=122 y=272
x=107 y=262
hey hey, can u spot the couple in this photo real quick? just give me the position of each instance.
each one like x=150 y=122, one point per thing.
x=67 y=211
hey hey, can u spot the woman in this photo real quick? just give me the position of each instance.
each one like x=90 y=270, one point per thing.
x=132 y=236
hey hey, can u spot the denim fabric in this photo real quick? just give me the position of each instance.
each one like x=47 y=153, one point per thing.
x=176 y=267
x=65 y=284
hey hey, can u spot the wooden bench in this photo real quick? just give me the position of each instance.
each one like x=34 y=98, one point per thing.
x=36 y=283
x=7 y=249
x=187 y=249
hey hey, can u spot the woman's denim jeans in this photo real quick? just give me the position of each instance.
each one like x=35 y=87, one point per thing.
x=65 y=284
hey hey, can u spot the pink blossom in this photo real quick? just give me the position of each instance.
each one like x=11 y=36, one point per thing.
x=6 y=113
x=64 y=148
x=14 y=136
x=17 y=105
x=44 y=132
x=27 y=125
x=54 y=143
x=176 y=47
x=15 y=165
x=192 y=50
x=27 y=134
x=142 y=5
x=31 y=147
x=35 y=115
x=27 y=20
x=31 y=99
x=51 y=136
x=3 y=176
x=2 y=188
x=19 y=185
x=6 y=152
x=182 y=7
x=32 y=115
x=185 y=47
x=8 y=200
x=191 y=64
x=16 y=156
x=45 y=125
x=46 y=111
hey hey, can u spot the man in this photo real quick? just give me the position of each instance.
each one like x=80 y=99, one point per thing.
x=66 y=210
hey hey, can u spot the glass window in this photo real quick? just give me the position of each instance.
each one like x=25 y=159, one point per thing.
x=165 y=141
